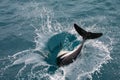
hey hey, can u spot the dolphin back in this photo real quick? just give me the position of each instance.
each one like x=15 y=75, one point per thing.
x=85 y=34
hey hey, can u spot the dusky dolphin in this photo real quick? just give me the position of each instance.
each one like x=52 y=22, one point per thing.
x=67 y=57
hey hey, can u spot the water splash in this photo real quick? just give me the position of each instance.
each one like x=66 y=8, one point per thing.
x=32 y=61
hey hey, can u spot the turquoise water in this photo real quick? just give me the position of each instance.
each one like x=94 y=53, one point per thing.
x=32 y=33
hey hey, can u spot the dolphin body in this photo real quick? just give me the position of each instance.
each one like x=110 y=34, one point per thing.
x=66 y=57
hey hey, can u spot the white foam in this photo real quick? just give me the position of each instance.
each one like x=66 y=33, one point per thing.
x=82 y=68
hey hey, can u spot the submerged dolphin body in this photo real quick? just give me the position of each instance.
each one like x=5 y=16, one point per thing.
x=66 y=57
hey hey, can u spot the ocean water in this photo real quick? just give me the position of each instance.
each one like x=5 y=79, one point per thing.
x=32 y=32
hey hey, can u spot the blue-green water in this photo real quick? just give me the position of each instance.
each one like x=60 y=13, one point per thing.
x=32 y=33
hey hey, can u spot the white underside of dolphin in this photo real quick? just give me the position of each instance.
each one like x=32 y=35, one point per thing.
x=66 y=53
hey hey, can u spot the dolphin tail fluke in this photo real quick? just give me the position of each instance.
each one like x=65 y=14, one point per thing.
x=85 y=34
